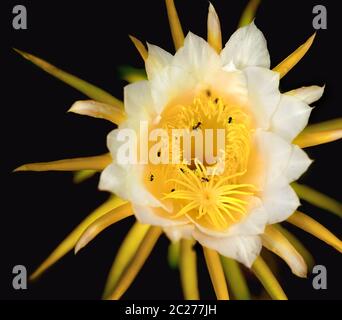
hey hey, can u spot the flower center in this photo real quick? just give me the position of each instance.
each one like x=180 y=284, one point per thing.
x=211 y=191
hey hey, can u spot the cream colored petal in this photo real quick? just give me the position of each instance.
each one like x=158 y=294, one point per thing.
x=299 y=162
x=138 y=100
x=290 y=118
x=247 y=47
x=198 y=58
x=280 y=158
x=157 y=60
x=148 y=215
x=169 y=84
x=280 y=200
x=126 y=183
x=274 y=241
x=263 y=94
x=244 y=249
x=307 y=94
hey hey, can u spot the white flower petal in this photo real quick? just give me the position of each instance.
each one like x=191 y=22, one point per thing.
x=231 y=85
x=167 y=85
x=307 y=94
x=263 y=93
x=157 y=60
x=279 y=200
x=197 y=57
x=299 y=162
x=244 y=249
x=147 y=215
x=176 y=233
x=246 y=47
x=255 y=221
x=138 y=100
x=126 y=183
x=290 y=118
x=280 y=158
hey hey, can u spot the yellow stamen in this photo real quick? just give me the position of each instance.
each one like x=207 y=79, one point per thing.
x=276 y=242
x=311 y=226
x=214 y=29
x=188 y=270
x=311 y=138
x=236 y=279
x=69 y=242
x=249 y=13
x=88 y=89
x=216 y=273
x=102 y=223
x=126 y=252
x=97 y=163
x=140 y=47
x=175 y=25
x=317 y=198
x=286 y=65
x=137 y=262
x=304 y=252
x=268 y=280
x=99 y=110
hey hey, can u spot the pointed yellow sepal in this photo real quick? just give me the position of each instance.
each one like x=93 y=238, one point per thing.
x=140 y=47
x=175 y=25
x=311 y=226
x=308 y=139
x=286 y=65
x=214 y=29
x=329 y=125
x=102 y=223
x=69 y=242
x=216 y=273
x=249 y=13
x=136 y=262
x=126 y=252
x=275 y=241
x=88 y=89
x=83 y=175
x=97 y=163
x=99 y=110
x=173 y=254
x=188 y=270
x=317 y=198
x=236 y=279
x=303 y=251
x=268 y=280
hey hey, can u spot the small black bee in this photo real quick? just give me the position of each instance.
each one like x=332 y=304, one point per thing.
x=230 y=119
x=151 y=177
x=205 y=179
x=172 y=190
x=181 y=169
x=195 y=127
x=216 y=100
x=158 y=153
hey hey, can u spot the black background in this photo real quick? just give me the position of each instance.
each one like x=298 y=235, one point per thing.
x=89 y=39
